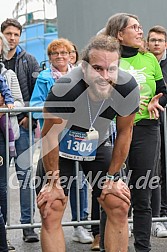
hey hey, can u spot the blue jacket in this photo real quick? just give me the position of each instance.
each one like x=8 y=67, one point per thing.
x=42 y=87
x=5 y=91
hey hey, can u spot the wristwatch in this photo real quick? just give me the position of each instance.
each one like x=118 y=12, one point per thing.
x=115 y=177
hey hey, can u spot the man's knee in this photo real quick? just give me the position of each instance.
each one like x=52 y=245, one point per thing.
x=115 y=206
x=54 y=216
x=55 y=211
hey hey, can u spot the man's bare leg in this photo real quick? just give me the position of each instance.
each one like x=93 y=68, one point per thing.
x=116 y=229
x=52 y=236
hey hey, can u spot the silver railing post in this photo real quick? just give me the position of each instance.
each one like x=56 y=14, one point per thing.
x=77 y=190
x=165 y=141
x=7 y=169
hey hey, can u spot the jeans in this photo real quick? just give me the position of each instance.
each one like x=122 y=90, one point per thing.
x=142 y=163
x=3 y=242
x=83 y=198
x=22 y=164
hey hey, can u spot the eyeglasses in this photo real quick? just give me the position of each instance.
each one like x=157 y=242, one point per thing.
x=153 y=40
x=135 y=27
x=72 y=52
x=56 y=54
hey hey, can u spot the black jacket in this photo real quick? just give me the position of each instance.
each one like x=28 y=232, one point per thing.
x=163 y=65
x=27 y=70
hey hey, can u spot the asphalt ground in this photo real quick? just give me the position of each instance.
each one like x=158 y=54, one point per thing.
x=15 y=235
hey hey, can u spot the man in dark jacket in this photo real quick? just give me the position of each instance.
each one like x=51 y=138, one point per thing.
x=157 y=43
x=26 y=67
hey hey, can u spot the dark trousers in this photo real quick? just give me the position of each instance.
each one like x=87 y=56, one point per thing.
x=163 y=211
x=95 y=171
x=3 y=242
x=3 y=180
x=142 y=161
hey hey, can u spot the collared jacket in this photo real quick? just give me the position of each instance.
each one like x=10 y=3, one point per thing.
x=163 y=64
x=27 y=70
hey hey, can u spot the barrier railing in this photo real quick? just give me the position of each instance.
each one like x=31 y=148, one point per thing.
x=29 y=110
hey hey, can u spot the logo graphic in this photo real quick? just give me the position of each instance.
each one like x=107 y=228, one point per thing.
x=123 y=105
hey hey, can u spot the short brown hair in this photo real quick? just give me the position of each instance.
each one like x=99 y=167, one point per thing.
x=11 y=22
x=158 y=29
x=101 y=42
x=58 y=43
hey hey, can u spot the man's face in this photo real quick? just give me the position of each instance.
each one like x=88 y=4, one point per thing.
x=101 y=73
x=12 y=35
x=157 y=43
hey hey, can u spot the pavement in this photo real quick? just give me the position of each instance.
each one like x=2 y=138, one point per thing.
x=15 y=235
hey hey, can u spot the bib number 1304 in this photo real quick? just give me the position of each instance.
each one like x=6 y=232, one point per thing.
x=74 y=145
x=79 y=146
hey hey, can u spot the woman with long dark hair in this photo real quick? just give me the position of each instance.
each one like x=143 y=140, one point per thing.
x=145 y=146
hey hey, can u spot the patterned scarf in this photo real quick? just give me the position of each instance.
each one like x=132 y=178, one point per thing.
x=56 y=74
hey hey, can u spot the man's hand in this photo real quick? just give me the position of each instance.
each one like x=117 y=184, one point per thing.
x=119 y=189
x=48 y=194
x=154 y=107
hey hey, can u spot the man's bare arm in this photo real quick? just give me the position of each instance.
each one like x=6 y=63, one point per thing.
x=52 y=127
x=52 y=191
x=122 y=142
x=119 y=155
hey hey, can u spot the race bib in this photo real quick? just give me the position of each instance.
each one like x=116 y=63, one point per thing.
x=78 y=145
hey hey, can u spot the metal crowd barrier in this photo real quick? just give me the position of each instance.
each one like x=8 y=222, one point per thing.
x=33 y=224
